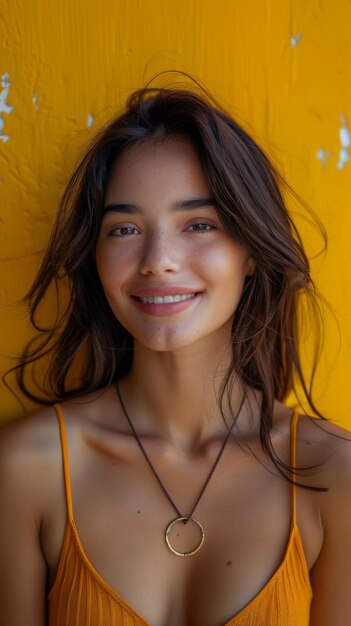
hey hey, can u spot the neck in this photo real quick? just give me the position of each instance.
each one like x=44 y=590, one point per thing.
x=175 y=395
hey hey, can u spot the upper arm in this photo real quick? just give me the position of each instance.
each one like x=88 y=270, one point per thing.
x=23 y=568
x=331 y=574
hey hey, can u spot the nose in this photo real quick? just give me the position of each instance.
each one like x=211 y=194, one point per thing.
x=160 y=254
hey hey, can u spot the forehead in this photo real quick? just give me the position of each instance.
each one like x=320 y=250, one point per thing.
x=168 y=167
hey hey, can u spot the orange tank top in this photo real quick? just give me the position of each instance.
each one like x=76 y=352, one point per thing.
x=81 y=597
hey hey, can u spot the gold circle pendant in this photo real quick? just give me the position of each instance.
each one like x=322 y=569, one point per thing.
x=185 y=520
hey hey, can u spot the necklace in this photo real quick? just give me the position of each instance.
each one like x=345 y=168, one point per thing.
x=184 y=519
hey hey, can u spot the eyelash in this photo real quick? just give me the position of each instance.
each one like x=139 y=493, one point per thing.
x=208 y=228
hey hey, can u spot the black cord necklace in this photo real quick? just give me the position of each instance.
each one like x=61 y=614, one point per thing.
x=185 y=519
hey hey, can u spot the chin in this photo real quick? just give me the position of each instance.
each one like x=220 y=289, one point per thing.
x=165 y=342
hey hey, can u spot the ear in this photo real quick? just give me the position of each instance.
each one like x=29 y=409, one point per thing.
x=250 y=266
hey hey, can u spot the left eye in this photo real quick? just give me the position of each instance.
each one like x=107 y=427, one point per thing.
x=201 y=227
x=123 y=231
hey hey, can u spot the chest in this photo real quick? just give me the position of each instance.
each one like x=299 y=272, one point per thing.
x=121 y=516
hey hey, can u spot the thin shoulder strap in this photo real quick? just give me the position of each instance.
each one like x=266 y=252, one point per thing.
x=66 y=474
x=293 y=431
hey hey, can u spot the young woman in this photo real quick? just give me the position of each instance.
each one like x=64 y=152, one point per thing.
x=170 y=485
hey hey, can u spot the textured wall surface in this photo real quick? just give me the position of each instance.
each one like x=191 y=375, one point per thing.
x=283 y=68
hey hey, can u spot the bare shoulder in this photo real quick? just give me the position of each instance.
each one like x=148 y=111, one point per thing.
x=325 y=448
x=33 y=441
x=31 y=454
x=28 y=437
x=325 y=439
x=35 y=434
x=28 y=453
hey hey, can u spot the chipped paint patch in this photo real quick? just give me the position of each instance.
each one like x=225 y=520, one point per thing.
x=345 y=141
x=35 y=101
x=4 y=107
x=323 y=155
x=90 y=120
x=295 y=40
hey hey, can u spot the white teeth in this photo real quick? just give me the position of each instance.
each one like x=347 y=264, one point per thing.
x=166 y=299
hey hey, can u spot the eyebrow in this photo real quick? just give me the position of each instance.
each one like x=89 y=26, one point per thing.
x=181 y=205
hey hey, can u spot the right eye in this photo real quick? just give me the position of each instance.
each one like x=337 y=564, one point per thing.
x=123 y=231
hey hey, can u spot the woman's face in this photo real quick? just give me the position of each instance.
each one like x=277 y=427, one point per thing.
x=171 y=273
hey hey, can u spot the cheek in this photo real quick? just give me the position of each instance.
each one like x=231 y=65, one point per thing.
x=112 y=267
x=104 y=272
x=226 y=267
x=112 y=280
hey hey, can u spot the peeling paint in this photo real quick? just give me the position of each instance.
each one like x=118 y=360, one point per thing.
x=295 y=40
x=345 y=141
x=4 y=107
x=35 y=101
x=323 y=155
x=90 y=120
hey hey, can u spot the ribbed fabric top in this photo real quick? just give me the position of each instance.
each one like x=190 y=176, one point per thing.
x=80 y=596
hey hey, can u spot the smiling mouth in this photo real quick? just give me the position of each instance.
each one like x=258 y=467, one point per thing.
x=166 y=299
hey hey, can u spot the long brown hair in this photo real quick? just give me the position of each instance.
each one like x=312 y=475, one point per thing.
x=247 y=191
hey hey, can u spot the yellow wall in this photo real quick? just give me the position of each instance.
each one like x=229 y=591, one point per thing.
x=282 y=66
